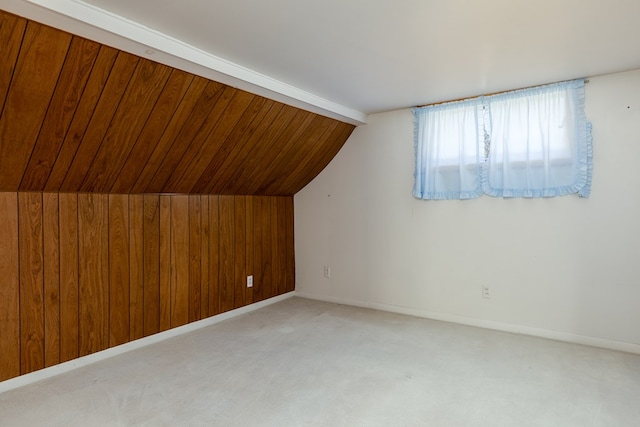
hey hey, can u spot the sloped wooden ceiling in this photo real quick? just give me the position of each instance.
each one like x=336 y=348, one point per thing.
x=78 y=116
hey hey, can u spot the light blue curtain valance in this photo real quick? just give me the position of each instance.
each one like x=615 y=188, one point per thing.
x=528 y=143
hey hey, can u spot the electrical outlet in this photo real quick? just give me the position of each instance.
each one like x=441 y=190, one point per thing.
x=486 y=292
x=249 y=281
x=327 y=271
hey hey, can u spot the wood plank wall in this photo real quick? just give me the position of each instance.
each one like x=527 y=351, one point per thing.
x=78 y=116
x=80 y=273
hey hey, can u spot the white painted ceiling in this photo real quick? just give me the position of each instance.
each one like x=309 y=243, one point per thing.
x=378 y=55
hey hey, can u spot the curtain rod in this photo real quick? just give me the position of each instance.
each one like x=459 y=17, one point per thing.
x=486 y=94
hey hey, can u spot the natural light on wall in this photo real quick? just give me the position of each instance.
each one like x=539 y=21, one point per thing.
x=532 y=142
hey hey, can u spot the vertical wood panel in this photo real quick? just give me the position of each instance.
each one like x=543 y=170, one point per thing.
x=9 y=288
x=290 y=273
x=214 y=255
x=93 y=272
x=179 y=260
x=31 y=282
x=204 y=257
x=121 y=258
x=151 y=285
x=195 y=261
x=41 y=57
x=226 y=251
x=69 y=284
x=267 y=248
x=51 y=242
x=73 y=77
x=250 y=243
x=240 y=250
x=119 y=251
x=278 y=244
x=258 y=262
x=136 y=267
x=165 y=262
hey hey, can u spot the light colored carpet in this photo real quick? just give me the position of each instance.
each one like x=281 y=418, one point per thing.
x=308 y=363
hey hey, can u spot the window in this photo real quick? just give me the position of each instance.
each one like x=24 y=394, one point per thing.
x=528 y=143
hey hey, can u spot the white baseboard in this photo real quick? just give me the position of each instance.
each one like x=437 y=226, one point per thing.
x=52 y=371
x=486 y=324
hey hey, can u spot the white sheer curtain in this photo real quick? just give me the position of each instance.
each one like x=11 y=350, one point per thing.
x=447 y=140
x=540 y=142
x=528 y=143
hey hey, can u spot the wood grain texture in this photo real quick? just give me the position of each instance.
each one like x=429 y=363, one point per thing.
x=90 y=96
x=31 y=282
x=165 y=263
x=226 y=253
x=278 y=244
x=9 y=287
x=151 y=264
x=239 y=250
x=11 y=33
x=179 y=261
x=119 y=269
x=143 y=90
x=101 y=121
x=249 y=246
x=223 y=97
x=78 y=116
x=204 y=257
x=69 y=281
x=214 y=255
x=93 y=272
x=51 y=252
x=290 y=269
x=136 y=267
x=258 y=248
x=189 y=130
x=73 y=78
x=34 y=79
x=195 y=254
x=171 y=96
x=84 y=272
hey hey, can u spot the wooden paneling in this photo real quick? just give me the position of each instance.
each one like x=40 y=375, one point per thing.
x=180 y=282
x=69 y=282
x=78 y=116
x=31 y=282
x=93 y=272
x=84 y=272
x=226 y=250
x=151 y=265
x=119 y=271
x=51 y=246
x=136 y=267
x=9 y=288
x=41 y=57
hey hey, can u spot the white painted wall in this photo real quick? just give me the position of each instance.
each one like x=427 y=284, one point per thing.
x=565 y=267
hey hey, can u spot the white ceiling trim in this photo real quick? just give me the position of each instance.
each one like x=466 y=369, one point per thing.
x=113 y=30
